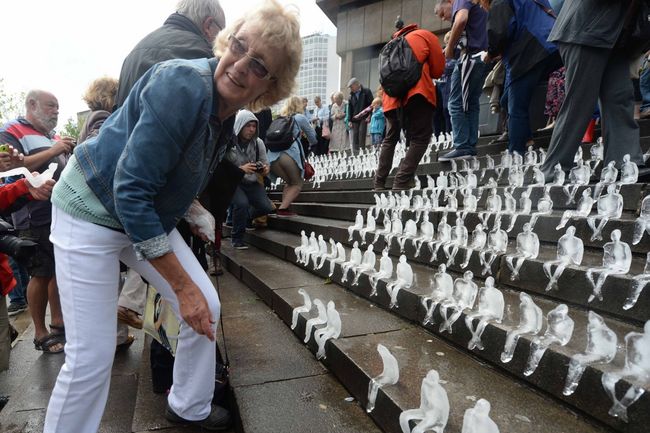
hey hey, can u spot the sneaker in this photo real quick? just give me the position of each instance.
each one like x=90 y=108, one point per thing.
x=238 y=245
x=285 y=213
x=455 y=154
x=15 y=308
x=219 y=419
x=644 y=114
x=250 y=227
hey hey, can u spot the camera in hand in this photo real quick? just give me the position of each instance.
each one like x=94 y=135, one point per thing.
x=259 y=166
x=12 y=245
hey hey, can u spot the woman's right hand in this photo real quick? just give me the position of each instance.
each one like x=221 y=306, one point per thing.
x=194 y=309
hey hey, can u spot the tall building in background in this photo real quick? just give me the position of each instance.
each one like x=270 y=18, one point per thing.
x=319 y=69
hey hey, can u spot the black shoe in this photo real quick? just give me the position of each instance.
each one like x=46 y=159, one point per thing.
x=238 y=245
x=15 y=308
x=219 y=419
x=3 y=401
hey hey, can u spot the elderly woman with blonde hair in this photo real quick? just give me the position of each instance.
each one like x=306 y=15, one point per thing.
x=100 y=97
x=122 y=195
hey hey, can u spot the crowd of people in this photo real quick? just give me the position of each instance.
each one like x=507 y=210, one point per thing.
x=195 y=93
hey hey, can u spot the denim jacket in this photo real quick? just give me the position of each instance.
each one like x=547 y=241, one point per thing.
x=155 y=154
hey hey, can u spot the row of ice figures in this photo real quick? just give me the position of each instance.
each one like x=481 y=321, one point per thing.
x=341 y=165
x=327 y=322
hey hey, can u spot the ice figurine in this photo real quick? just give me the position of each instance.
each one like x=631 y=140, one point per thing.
x=493 y=204
x=442 y=238
x=332 y=330
x=601 y=349
x=477 y=419
x=489 y=165
x=410 y=232
x=452 y=201
x=638 y=284
x=530 y=322
x=355 y=260
x=331 y=255
x=636 y=369
x=525 y=205
x=304 y=246
x=358 y=225
x=608 y=176
x=404 y=280
x=479 y=239
x=385 y=271
x=433 y=412
x=578 y=176
x=629 y=171
x=389 y=376
x=609 y=206
x=539 y=179
x=527 y=248
x=530 y=157
x=570 y=250
x=371 y=226
x=320 y=319
x=312 y=250
x=516 y=176
x=470 y=202
x=321 y=252
x=559 y=330
x=367 y=264
x=597 y=153
x=497 y=244
x=426 y=234
x=642 y=223
x=544 y=206
x=340 y=258
x=304 y=308
x=459 y=238
x=490 y=309
x=464 y=296
x=617 y=259
x=442 y=289
x=558 y=175
x=386 y=230
x=396 y=228
x=582 y=210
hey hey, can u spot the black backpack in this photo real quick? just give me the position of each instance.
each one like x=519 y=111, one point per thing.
x=280 y=136
x=399 y=69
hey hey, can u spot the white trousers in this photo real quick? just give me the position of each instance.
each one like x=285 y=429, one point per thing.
x=87 y=270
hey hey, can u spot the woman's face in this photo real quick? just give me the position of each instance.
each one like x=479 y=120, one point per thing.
x=236 y=83
x=338 y=100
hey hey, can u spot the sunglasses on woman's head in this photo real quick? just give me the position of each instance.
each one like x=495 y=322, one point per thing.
x=255 y=65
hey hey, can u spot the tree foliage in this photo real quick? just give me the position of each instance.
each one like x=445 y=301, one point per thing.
x=70 y=129
x=11 y=104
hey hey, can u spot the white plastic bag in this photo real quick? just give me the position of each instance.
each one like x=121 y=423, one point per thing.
x=198 y=216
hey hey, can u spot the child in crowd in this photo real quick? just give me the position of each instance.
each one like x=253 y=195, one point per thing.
x=377 y=123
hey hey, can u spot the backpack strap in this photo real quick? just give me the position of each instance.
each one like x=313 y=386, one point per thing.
x=546 y=9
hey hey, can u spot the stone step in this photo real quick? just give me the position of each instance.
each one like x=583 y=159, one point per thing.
x=354 y=360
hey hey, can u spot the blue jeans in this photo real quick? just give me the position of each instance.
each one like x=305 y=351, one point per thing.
x=464 y=124
x=19 y=293
x=644 y=85
x=249 y=201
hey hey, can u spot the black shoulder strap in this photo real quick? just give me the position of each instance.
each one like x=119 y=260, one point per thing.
x=546 y=9
x=225 y=350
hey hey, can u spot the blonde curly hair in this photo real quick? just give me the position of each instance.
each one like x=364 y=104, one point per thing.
x=292 y=105
x=101 y=93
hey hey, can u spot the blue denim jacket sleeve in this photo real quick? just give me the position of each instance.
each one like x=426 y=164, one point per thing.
x=304 y=125
x=171 y=105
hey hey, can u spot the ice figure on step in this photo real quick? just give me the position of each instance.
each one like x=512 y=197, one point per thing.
x=396 y=229
x=527 y=248
x=442 y=289
x=578 y=176
x=493 y=204
x=609 y=206
x=642 y=223
x=452 y=201
x=530 y=322
x=385 y=271
x=491 y=183
x=389 y=376
x=629 y=171
x=332 y=330
x=477 y=419
x=506 y=162
x=442 y=238
x=490 y=309
x=464 y=296
x=387 y=228
x=617 y=259
x=636 y=369
x=570 y=250
x=311 y=251
x=583 y=209
x=340 y=258
x=538 y=177
x=470 y=202
x=459 y=238
x=559 y=330
x=355 y=260
x=530 y=157
x=441 y=181
x=404 y=280
x=479 y=239
x=510 y=203
x=433 y=412
x=320 y=319
x=608 y=176
x=558 y=175
x=639 y=282
x=410 y=232
x=597 y=153
x=322 y=251
x=426 y=234
x=304 y=246
x=516 y=176
x=367 y=264
x=601 y=349
x=304 y=308
x=358 y=225
x=371 y=226
x=471 y=179
x=544 y=206
x=497 y=244
x=525 y=207
x=329 y=256
x=489 y=165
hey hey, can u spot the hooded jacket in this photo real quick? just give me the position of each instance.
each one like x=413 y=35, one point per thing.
x=251 y=151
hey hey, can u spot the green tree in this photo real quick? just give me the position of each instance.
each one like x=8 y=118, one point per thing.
x=11 y=104
x=70 y=129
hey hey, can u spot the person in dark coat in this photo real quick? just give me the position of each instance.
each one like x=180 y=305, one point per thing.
x=360 y=99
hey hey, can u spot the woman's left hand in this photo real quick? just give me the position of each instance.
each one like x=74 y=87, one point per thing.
x=43 y=192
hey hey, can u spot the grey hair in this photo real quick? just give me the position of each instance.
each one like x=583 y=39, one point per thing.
x=33 y=95
x=198 y=10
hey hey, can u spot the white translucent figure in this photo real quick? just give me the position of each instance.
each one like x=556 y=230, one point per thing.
x=525 y=207
x=516 y=176
x=329 y=256
x=489 y=165
x=617 y=259
x=636 y=369
x=477 y=419
x=491 y=183
x=358 y=225
x=559 y=330
x=490 y=309
x=629 y=171
x=441 y=181
x=443 y=237
x=544 y=206
x=583 y=209
x=386 y=230
x=311 y=251
x=570 y=250
x=530 y=158
x=506 y=162
x=542 y=156
x=530 y=322
x=320 y=319
x=578 y=176
x=608 y=176
x=497 y=244
x=404 y=280
x=601 y=349
x=332 y=330
x=597 y=153
x=539 y=179
x=527 y=248
x=493 y=204
x=452 y=201
x=396 y=228
x=471 y=180
x=340 y=258
x=304 y=308
x=479 y=239
x=368 y=262
x=389 y=376
x=464 y=296
x=304 y=246
x=371 y=226
x=385 y=271
x=558 y=175
x=609 y=206
x=459 y=238
x=470 y=202
x=410 y=232
x=426 y=234
x=355 y=260
x=442 y=286
x=642 y=223
x=639 y=282
x=321 y=252
x=433 y=412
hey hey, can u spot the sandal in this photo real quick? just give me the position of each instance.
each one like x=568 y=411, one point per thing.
x=47 y=343
x=57 y=330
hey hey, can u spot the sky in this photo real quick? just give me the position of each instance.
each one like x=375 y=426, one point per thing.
x=62 y=46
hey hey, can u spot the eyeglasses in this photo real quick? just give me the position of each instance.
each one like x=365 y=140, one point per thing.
x=255 y=65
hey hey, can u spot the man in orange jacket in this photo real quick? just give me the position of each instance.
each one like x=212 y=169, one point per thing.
x=418 y=107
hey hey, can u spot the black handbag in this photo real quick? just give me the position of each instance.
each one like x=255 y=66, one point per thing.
x=634 y=39
x=222 y=368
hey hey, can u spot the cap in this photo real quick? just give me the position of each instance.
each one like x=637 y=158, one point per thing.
x=352 y=81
